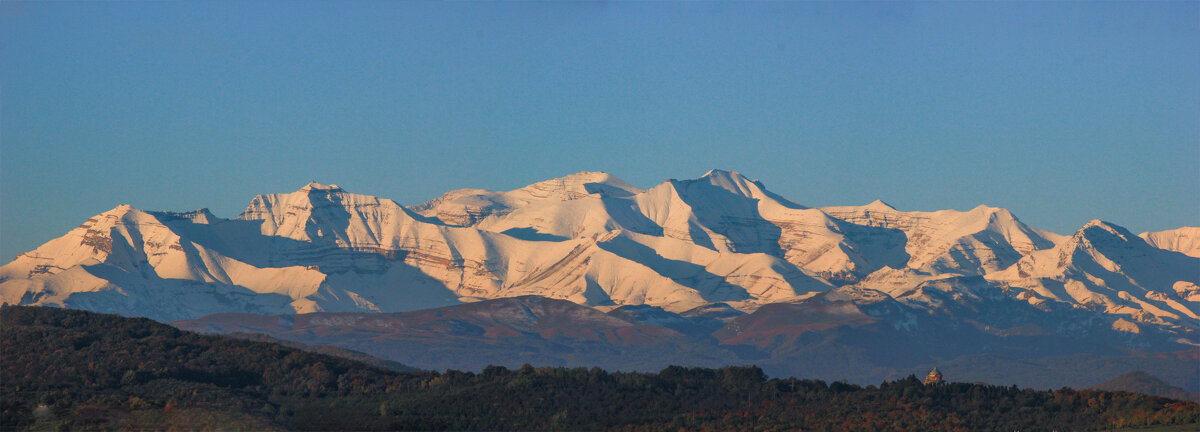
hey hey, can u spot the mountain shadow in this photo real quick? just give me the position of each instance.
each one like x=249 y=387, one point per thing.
x=709 y=286
x=732 y=215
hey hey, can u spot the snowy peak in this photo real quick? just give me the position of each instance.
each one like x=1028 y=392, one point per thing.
x=314 y=186
x=732 y=181
x=1184 y=240
x=878 y=205
x=737 y=184
x=717 y=172
x=1098 y=237
x=1105 y=267
x=579 y=185
x=311 y=195
x=201 y=216
x=1096 y=243
x=1098 y=229
x=469 y=207
x=1114 y=247
x=89 y=243
x=327 y=213
x=974 y=242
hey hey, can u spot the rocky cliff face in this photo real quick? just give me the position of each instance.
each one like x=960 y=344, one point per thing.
x=595 y=240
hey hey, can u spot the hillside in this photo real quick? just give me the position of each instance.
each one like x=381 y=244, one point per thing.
x=74 y=370
x=826 y=336
x=1142 y=382
x=327 y=350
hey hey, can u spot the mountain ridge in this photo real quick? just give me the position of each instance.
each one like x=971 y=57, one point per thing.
x=596 y=240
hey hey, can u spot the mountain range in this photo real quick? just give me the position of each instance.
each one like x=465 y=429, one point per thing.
x=718 y=260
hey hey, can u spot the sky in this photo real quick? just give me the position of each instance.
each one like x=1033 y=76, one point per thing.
x=1062 y=112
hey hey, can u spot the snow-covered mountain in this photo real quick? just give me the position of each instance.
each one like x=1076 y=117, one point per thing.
x=593 y=239
x=1106 y=268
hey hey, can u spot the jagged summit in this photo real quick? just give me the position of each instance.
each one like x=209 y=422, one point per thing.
x=1097 y=231
x=201 y=216
x=1108 y=227
x=313 y=185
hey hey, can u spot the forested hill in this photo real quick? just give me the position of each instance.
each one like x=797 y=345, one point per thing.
x=75 y=370
x=327 y=350
x=1142 y=382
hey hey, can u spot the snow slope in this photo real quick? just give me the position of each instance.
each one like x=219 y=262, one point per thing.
x=1184 y=240
x=978 y=241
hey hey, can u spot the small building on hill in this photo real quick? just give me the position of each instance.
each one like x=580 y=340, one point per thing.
x=934 y=376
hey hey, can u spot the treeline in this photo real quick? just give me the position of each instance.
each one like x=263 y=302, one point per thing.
x=75 y=370
x=327 y=350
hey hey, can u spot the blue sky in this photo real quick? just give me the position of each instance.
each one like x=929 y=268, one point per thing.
x=1061 y=112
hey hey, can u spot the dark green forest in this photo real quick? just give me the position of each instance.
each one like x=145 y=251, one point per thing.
x=75 y=370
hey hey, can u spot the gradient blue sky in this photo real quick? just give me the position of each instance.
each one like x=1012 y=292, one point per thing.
x=1061 y=112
